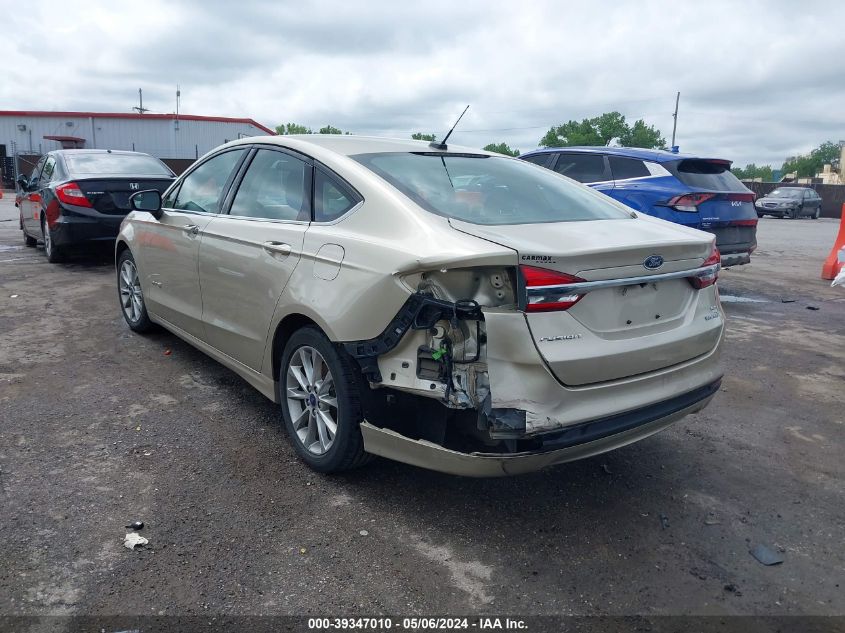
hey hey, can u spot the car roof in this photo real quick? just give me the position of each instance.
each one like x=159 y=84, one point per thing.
x=350 y=145
x=656 y=155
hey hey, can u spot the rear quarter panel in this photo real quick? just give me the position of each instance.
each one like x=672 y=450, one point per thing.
x=646 y=194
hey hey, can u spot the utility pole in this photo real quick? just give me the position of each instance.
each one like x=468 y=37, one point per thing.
x=675 y=117
x=140 y=107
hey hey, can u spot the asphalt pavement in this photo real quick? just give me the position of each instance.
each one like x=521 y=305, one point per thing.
x=100 y=427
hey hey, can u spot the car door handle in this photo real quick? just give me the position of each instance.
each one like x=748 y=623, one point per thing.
x=193 y=229
x=277 y=248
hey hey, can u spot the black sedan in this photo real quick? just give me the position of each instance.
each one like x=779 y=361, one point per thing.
x=790 y=202
x=76 y=199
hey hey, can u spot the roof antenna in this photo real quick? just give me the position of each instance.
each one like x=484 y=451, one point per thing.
x=442 y=144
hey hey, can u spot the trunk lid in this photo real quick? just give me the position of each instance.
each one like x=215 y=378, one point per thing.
x=111 y=195
x=621 y=331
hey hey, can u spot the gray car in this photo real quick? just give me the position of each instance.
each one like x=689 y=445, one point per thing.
x=790 y=202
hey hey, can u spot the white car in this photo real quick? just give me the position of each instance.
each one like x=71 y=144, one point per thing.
x=445 y=307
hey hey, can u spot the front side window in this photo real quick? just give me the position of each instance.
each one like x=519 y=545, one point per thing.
x=331 y=198
x=276 y=187
x=36 y=173
x=488 y=189
x=582 y=167
x=202 y=189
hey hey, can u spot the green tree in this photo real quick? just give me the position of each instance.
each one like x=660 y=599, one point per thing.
x=419 y=136
x=501 y=148
x=329 y=129
x=642 y=135
x=751 y=171
x=808 y=165
x=293 y=128
x=601 y=130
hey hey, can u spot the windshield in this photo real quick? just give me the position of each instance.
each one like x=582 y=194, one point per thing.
x=489 y=190
x=786 y=193
x=105 y=163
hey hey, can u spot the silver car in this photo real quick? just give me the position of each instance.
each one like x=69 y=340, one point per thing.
x=445 y=307
x=790 y=202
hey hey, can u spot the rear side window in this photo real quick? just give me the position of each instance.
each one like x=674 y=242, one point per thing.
x=331 y=198
x=106 y=163
x=202 y=189
x=711 y=175
x=488 y=189
x=582 y=167
x=47 y=172
x=538 y=159
x=275 y=187
x=624 y=168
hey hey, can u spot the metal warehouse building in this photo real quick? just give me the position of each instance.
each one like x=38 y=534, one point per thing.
x=176 y=139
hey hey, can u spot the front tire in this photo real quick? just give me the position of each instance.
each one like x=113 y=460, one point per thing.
x=321 y=404
x=794 y=214
x=131 y=296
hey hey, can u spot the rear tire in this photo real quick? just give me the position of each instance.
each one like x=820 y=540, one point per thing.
x=319 y=388
x=55 y=255
x=817 y=214
x=130 y=295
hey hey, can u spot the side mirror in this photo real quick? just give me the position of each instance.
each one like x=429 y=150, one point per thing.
x=23 y=181
x=149 y=201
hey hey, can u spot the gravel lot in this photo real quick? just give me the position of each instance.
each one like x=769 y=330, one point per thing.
x=100 y=427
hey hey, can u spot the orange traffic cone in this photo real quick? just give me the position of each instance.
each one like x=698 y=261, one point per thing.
x=832 y=265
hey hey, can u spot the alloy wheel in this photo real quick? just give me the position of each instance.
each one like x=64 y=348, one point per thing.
x=131 y=299
x=48 y=243
x=311 y=399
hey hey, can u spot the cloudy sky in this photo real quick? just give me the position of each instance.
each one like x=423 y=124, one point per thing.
x=759 y=81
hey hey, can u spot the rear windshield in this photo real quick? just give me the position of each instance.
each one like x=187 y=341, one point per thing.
x=489 y=190
x=128 y=164
x=706 y=174
x=786 y=193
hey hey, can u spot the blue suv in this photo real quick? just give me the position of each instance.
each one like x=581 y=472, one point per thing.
x=701 y=193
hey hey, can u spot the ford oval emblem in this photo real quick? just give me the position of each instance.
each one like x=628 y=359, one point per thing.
x=653 y=262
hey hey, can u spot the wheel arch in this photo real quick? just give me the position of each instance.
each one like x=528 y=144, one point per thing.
x=119 y=246
x=286 y=327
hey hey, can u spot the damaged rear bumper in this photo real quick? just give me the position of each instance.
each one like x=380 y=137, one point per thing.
x=572 y=443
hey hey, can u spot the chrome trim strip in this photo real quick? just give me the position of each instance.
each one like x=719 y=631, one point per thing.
x=584 y=287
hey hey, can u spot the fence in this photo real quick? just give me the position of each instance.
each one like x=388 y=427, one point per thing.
x=833 y=196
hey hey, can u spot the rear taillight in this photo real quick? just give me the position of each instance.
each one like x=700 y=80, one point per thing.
x=708 y=277
x=689 y=202
x=70 y=193
x=743 y=222
x=543 y=292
